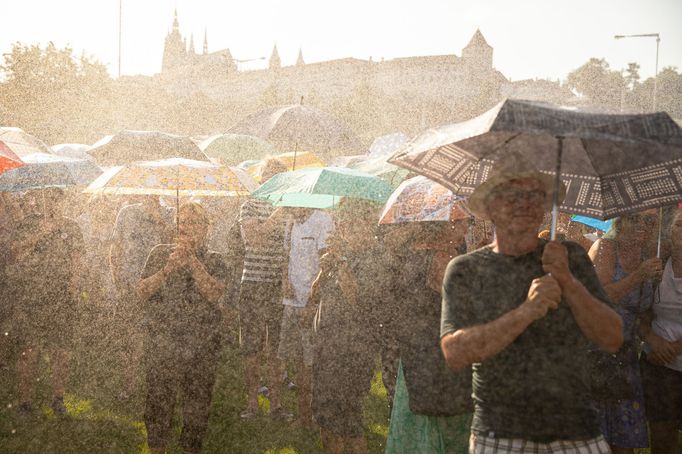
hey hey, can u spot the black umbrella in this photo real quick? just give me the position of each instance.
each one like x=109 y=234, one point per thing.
x=611 y=164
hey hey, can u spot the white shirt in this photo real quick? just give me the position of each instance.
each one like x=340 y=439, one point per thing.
x=306 y=239
x=668 y=311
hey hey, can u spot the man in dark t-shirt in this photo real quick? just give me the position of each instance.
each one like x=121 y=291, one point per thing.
x=525 y=312
x=45 y=277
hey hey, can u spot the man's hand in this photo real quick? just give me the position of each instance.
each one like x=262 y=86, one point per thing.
x=650 y=269
x=662 y=351
x=544 y=295
x=179 y=257
x=555 y=262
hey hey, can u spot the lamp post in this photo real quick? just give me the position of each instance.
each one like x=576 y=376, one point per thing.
x=658 y=41
x=120 y=21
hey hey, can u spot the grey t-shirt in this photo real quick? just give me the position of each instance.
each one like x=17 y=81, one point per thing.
x=537 y=388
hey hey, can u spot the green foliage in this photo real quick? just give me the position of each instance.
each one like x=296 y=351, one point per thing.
x=53 y=94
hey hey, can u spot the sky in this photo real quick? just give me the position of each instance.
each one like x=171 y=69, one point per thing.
x=531 y=38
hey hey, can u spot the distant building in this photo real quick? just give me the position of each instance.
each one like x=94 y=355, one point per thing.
x=446 y=78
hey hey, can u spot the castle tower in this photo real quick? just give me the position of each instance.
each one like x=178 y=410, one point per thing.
x=299 y=60
x=205 y=51
x=174 y=49
x=478 y=54
x=275 y=62
x=191 y=51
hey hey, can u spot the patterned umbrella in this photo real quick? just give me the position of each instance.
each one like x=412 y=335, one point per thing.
x=610 y=164
x=293 y=161
x=174 y=177
x=420 y=199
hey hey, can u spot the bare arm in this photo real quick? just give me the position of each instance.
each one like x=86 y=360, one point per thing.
x=256 y=232
x=601 y=324
x=478 y=343
x=149 y=286
x=603 y=255
x=211 y=288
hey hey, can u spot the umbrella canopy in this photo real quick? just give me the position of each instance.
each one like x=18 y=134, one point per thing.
x=385 y=146
x=610 y=164
x=48 y=171
x=8 y=159
x=72 y=150
x=293 y=161
x=378 y=167
x=21 y=143
x=420 y=199
x=130 y=146
x=231 y=149
x=598 y=224
x=322 y=187
x=299 y=127
x=173 y=177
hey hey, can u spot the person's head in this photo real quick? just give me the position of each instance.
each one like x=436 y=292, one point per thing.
x=300 y=215
x=271 y=167
x=515 y=197
x=636 y=227
x=193 y=224
x=356 y=222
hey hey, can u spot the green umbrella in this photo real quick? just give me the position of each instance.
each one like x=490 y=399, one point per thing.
x=322 y=187
x=231 y=149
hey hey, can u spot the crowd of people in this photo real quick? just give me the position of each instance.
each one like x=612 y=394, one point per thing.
x=485 y=340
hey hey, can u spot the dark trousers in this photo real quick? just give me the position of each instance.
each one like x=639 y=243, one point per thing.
x=187 y=370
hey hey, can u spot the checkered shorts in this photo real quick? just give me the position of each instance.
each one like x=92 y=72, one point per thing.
x=479 y=444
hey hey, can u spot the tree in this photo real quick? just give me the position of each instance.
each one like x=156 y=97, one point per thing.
x=53 y=94
x=668 y=93
x=596 y=81
x=632 y=75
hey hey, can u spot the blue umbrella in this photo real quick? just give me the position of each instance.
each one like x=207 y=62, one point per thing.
x=48 y=171
x=598 y=224
x=322 y=187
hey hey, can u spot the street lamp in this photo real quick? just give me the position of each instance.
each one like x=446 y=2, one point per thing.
x=658 y=40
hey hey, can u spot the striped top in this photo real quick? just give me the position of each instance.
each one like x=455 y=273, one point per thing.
x=263 y=262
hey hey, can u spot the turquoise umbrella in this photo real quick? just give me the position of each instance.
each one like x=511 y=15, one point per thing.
x=322 y=187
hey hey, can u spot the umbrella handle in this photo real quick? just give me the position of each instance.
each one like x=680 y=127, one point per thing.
x=660 y=232
x=557 y=185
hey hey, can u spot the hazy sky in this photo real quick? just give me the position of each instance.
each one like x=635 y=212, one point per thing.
x=531 y=38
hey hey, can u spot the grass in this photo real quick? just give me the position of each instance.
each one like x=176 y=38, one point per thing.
x=97 y=422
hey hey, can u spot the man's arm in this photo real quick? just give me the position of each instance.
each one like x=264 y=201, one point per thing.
x=601 y=324
x=256 y=232
x=477 y=343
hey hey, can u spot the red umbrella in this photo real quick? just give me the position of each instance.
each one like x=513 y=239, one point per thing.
x=8 y=159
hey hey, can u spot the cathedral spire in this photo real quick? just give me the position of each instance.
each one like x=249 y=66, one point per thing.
x=205 y=41
x=191 y=44
x=176 y=24
x=299 y=60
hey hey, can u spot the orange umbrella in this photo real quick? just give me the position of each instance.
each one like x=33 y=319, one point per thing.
x=8 y=159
